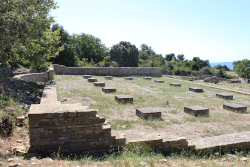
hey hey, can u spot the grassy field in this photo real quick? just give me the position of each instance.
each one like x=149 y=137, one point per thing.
x=168 y=99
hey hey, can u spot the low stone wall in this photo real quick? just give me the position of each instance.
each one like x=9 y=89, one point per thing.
x=68 y=128
x=235 y=141
x=67 y=132
x=34 y=77
x=104 y=71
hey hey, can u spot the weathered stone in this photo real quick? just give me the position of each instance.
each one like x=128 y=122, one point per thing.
x=146 y=113
x=147 y=78
x=195 y=89
x=20 y=120
x=159 y=81
x=175 y=84
x=86 y=76
x=108 y=77
x=235 y=107
x=212 y=79
x=234 y=81
x=92 y=80
x=99 y=84
x=108 y=89
x=197 y=110
x=128 y=78
x=123 y=99
x=224 y=96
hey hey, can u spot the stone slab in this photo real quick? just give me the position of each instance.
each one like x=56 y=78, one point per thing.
x=108 y=89
x=99 y=84
x=92 y=80
x=234 y=81
x=129 y=78
x=86 y=76
x=159 y=81
x=175 y=84
x=123 y=99
x=146 y=113
x=158 y=141
x=195 y=89
x=136 y=135
x=224 y=96
x=233 y=141
x=235 y=107
x=197 y=110
x=147 y=78
x=108 y=77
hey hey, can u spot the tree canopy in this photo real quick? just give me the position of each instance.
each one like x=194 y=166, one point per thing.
x=125 y=54
x=243 y=69
x=25 y=34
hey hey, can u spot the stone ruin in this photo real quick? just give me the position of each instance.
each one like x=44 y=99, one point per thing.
x=197 y=110
x=148 y=113
x=68 y=128
x=195 y=89
x=212 y=79
x=72 y=128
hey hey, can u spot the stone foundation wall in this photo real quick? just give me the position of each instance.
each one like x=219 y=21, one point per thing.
x=34 y=77
x=68 y=128
x=104 y=71
x=71 y=132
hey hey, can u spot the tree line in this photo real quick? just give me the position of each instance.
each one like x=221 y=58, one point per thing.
x=30 y=37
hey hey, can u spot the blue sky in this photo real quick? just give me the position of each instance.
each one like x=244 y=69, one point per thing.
x=214 y=30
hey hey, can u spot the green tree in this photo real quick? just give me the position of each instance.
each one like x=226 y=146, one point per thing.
x=143 y=55
x=89 y=47
x=235 y=63
x=148 y=49
x=170 y=56
x=125 y=54
x=243 y=69
x=181 y=57
x=38 y=53
x=23 y=25
x=67 y=56
x=224 y=67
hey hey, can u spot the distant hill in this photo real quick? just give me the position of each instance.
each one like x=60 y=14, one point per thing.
x=228 y=64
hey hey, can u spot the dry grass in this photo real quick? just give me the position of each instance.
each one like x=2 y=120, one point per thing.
x=169 y=100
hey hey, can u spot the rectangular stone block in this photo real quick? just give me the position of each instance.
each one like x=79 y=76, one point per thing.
x=47 y=124
x=224 y=96
x=86 y=76
x=87 y=113
x=123 y=99
x=159 y=81
x=108 y=77
x=235 y=108
x=34 y=123
x=234 y=81
x=195 y=89
x=147 y=78
x=99 y=84
x=92 y=80
x=175 y=84
x=36 y=130
x=72 y=114
x=147 y=113
x=197 y=110
x=108 y=89
x=38 y=116
x=128 y=78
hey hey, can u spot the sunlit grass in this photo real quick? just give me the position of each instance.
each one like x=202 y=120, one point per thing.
x=169 y=100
